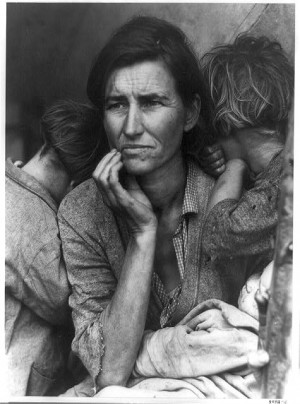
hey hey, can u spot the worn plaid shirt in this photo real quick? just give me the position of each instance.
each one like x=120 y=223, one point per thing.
x=95 y=264
x=190 y=205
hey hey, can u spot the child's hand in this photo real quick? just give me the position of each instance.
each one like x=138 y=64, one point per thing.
x=212 y=160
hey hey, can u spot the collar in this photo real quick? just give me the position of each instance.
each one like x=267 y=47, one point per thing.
x=28 y=182
x=190 y=200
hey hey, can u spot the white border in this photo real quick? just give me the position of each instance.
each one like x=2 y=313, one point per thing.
x=294 y=395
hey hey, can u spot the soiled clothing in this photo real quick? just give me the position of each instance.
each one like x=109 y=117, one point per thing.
x=225 y=386
x=206 y=363
x=183 y=361
x=94 y=244
x=246 y=227
x=36 y=288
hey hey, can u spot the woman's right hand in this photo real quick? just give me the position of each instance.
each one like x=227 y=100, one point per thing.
x=129 y=201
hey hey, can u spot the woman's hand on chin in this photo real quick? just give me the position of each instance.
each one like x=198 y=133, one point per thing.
x=129 y=201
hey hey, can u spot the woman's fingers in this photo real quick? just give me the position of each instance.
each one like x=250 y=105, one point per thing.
x=122 y=197
x=129 y=200
x=103 y=163
x=200 y=318
x=204 y=325
x=105 y=172
x=102 y=175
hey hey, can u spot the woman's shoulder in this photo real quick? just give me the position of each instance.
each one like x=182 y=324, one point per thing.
x=84 y=201
x=84 y=212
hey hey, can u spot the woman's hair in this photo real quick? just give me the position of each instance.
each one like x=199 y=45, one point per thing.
x=251 y=84
x=75 y=132
x=149 y=38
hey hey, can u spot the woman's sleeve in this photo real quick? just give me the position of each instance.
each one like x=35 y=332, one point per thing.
x=245 y=227
x=93 y=285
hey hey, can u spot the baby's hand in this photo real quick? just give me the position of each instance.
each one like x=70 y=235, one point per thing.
x=212 y=318
x=212 y=160
x=246 y=301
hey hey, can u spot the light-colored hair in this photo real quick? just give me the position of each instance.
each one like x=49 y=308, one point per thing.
x=250 y=83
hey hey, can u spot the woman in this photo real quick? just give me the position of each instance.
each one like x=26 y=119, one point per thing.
x=132 y=237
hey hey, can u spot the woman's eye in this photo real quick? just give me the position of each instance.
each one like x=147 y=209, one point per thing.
x=116 y=106
x=151 y=103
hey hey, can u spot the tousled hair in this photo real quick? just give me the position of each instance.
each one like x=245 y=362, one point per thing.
x=250 y=83
x=75 y=133
x=149 y=39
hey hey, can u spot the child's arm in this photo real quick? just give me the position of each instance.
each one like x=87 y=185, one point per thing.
x=230 y=184
x=245 y=226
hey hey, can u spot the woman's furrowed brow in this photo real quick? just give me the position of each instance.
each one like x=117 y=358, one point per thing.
x=152 y=96
x=141 y=96
x=111 y=98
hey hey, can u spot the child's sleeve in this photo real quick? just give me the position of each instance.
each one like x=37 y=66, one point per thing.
x=245 y=227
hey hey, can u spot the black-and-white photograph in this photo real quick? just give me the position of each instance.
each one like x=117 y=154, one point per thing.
x=149 y=185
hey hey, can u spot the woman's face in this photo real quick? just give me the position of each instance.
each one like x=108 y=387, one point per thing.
x=144 y=116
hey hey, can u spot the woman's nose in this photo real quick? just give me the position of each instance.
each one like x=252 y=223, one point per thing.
x=133 y=122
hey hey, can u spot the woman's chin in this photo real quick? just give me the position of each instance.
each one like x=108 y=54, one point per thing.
x=136 y=167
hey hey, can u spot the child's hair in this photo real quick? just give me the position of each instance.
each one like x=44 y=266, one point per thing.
x=251 y=84
x=75 y=132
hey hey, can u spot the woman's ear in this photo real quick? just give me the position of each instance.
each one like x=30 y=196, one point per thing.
x=192 y=114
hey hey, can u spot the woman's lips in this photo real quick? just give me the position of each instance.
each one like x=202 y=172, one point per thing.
x=134 y=149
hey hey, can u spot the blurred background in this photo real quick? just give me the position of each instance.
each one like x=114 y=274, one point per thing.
x=51 y=46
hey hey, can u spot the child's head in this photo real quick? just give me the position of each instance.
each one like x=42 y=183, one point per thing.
x=74 y=132
x=251 y=85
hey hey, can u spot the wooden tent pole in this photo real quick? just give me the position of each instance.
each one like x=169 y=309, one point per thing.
x=277 y=334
